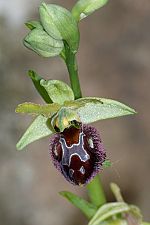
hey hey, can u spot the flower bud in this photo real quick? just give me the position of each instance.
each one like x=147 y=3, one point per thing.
x=60 y=24
x=41 y=43
x=84 y=8
x=77 y=153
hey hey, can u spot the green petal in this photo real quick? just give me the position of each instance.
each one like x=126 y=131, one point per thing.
x=87 y=208
x=60 y=24
x=58 y=91
x=38 y=129
x=41 y=43
x=84 y=8
x=93 y=109
x=47 y=110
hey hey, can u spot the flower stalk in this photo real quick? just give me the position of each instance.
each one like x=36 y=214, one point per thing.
x=96 y=192
x=94 y=188
x=72 y=67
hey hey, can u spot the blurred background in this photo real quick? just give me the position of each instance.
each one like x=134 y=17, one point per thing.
x=114 y=62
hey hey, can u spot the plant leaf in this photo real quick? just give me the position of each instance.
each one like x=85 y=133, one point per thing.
x=115 y=221
x=60 y=24
x=84 y=8
x=135 y=213
x=37 y=130
x=41 y=43
x=87 y=208
x=58 y=91
x=91 y=109
x=47 y=110
x=34 y=24
x=41 y=90
x=108 y=210
x=111 y=210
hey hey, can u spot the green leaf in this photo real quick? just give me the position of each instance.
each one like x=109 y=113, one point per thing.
x=84 y=8
x=34 y=24
x=36 y=81
x=38 y=129
x=87 y=208
x=41 y=43
x=109 y=210
x=95 y=192
x=135 y=213
x=118 y=221
x=60 y=24
x=115 y=221
x=58 y=91
x=47 y=110
x=94 y=109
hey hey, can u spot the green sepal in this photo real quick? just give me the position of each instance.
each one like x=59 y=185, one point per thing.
x=87 y=208
x=85 y=110
x=43 y=44
x=84 y=8
x=58 y=91
x=41 y=90
x=60 y=24
x=92 y=109
x=37 y=130
x=47 y=110
x=34 y=24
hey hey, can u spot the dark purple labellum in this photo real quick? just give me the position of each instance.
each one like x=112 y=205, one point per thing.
x=78 y=153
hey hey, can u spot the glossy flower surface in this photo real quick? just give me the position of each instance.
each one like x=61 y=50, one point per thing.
x=78 y=153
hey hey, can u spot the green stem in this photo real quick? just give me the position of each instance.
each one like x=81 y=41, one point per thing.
x=95 y=189
x=96 y=192
x=73 y=72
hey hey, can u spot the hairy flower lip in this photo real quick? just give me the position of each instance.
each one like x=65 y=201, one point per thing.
x=78 y=163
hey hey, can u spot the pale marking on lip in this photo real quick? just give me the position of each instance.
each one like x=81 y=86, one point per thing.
x=55 y=151
x=70 y=151
x=71 y=172
x=82 y=170
x=90 y=141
